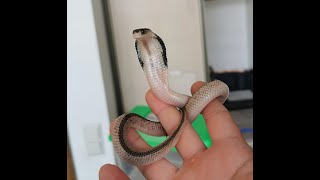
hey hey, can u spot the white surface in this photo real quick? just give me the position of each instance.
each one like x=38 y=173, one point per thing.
x=85 y=90
x=94 y=139
x=250 y=31
x=228 y=25
x=178 y=23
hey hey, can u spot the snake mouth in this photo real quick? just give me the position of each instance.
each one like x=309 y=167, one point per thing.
x=141 y=33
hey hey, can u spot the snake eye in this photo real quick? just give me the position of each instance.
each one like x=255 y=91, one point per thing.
x=138 y=33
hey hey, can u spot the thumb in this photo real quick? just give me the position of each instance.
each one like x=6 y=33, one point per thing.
x=111 y=172
x=219 y=121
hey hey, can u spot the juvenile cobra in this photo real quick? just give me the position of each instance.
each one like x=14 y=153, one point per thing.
x=152 y=56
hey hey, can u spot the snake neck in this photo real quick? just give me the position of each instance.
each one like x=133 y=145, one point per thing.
x=159 y=84
x=151 y=53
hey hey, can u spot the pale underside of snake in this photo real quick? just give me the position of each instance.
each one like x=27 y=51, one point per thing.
x=152 y=56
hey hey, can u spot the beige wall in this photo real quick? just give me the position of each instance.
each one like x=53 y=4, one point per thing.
x=178 y=23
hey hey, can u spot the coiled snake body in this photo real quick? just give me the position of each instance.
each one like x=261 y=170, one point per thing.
x=152 y=56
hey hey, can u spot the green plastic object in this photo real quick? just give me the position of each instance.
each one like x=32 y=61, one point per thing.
x=199 y=126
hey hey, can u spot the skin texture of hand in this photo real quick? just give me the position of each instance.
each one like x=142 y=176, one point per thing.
x=229 y=156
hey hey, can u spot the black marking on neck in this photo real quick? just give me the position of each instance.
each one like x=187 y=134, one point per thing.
x=164 y=52
x=153 y=150
x=139 y=55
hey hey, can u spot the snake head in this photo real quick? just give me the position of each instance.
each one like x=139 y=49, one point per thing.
x=142 y=33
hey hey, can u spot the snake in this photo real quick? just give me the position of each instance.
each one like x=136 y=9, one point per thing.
x=152 y=56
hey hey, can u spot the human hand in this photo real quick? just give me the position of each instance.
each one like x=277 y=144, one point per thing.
x=229 y=156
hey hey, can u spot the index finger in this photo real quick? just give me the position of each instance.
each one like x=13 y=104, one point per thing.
x=218 y=119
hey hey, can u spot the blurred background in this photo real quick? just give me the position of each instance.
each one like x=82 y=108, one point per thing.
x=205 y=40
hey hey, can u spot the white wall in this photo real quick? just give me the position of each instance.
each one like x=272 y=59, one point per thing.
x=250 y=31
x=178 y=23
x=86 y=94
x=228 y=25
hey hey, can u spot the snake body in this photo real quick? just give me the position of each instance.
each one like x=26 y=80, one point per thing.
x=151 y=52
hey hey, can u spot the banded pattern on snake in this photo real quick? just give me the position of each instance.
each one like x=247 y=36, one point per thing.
x=151 y=52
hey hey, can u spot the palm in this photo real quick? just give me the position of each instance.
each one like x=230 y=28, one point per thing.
x=229 y=156
x=223 y=158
